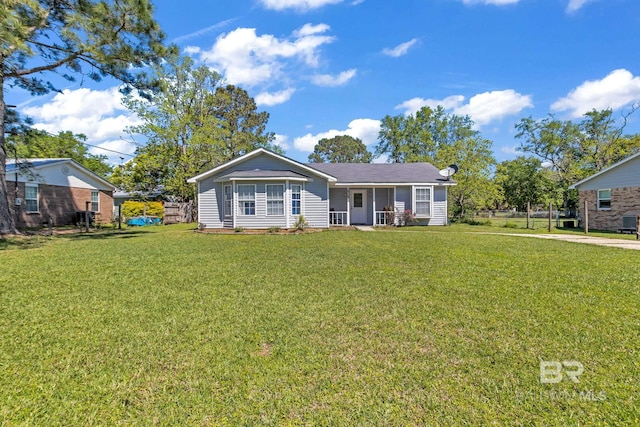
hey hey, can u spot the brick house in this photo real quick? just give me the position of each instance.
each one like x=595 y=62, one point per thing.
x=612 y=195
x=56 y=189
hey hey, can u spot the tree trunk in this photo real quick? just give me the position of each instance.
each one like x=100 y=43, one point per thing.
x=7 y=223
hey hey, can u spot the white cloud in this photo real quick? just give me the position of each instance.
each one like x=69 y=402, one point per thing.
x=616 y=90
x=489 y=106
x=331 y=81
x=574 y=5
x=301 y=5
x=401 y=49
x=98 y=114
x=365 y=129
x=493 y=2
x=282 y=141
x=274 y=98
x=483 y=108
x=413 y=105
x=245 y=58
x=191 y=50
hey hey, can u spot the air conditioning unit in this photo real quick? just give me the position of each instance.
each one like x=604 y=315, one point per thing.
x=18 y=201
x=629 y=222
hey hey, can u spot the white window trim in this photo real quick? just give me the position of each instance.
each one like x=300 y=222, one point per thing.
x=37 y=199
x=266 y=197
x=413 y=200
x=609 y=199
x=224 y=200
x=255 y=204
x=98 y=202
x=300 y=200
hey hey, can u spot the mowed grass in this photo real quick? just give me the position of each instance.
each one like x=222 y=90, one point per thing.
x=171 y=327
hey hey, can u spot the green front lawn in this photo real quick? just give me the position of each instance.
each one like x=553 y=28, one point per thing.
x=438 y=327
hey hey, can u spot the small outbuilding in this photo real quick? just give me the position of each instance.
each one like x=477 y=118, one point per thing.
x=56 y=189
x=612 y=196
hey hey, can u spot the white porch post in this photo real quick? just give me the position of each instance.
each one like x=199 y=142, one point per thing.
x=287 y=202
x=394 y=205
x=374 y=206
x=348 y=207
x=234 y=203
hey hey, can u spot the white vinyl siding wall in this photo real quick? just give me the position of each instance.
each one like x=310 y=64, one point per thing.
x=210 y=206
x=625 y=175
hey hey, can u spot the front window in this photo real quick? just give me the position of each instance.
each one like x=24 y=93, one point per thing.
x=31 y=198
x=228 y=200
x=423 y=202
x=604 y=199
x=357 y=200
x=275 y=199
x=247 y=199
x=95 y=201
x=296 y=192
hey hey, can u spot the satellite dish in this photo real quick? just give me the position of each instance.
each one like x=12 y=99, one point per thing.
x=449 y=171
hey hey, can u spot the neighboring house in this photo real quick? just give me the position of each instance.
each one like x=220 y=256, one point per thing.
x=263 y=189
x=56 y=189
x=612 y=195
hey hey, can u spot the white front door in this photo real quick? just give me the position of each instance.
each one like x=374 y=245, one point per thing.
x=358 y=206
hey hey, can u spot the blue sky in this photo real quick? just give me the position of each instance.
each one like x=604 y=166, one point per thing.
x=329 y=67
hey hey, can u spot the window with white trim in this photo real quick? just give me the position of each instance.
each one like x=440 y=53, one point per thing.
x=228 y=200
x=604 y=199
x=95 y=201
x=246 y=199
x=296 y=199
x=31 y=198
x=275 y=199
x=423 y=201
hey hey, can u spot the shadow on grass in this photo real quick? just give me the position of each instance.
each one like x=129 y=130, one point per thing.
x=38 y=240
x=101 y=235
x=22 y=242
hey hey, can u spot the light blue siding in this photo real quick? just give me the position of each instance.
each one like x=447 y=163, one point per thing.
x=624 y=175
x=403 y=198
x=439 y=214
x=314 y=198
x=384 y=197
x=338 y=199
x=210 y=204
x=316 y=203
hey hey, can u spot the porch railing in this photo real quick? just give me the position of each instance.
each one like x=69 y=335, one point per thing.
x=384 y=218
x=338 y=218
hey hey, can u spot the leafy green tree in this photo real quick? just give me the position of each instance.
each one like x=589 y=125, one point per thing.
x=556 y=142
x=37 y=143
x=603 y=142
x=243 y=127
x=192 y=124
x=340 y=149
x=434 y=136
x=577 y=150
x=524 y=180
x=42 y=41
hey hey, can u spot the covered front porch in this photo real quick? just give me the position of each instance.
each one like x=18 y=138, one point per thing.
x=362 y=206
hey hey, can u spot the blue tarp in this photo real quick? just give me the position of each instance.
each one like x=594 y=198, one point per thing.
x=141 y=221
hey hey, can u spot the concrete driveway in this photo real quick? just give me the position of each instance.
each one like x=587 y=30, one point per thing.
x=601 y=241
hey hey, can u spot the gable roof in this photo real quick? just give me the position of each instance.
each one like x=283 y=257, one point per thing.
x=41 y=163
x=603 y=171
x=383 y=173
x=263 y=174
x=255 y=153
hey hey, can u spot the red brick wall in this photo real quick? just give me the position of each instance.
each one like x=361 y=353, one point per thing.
x=624 y=202
x=59 y=203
